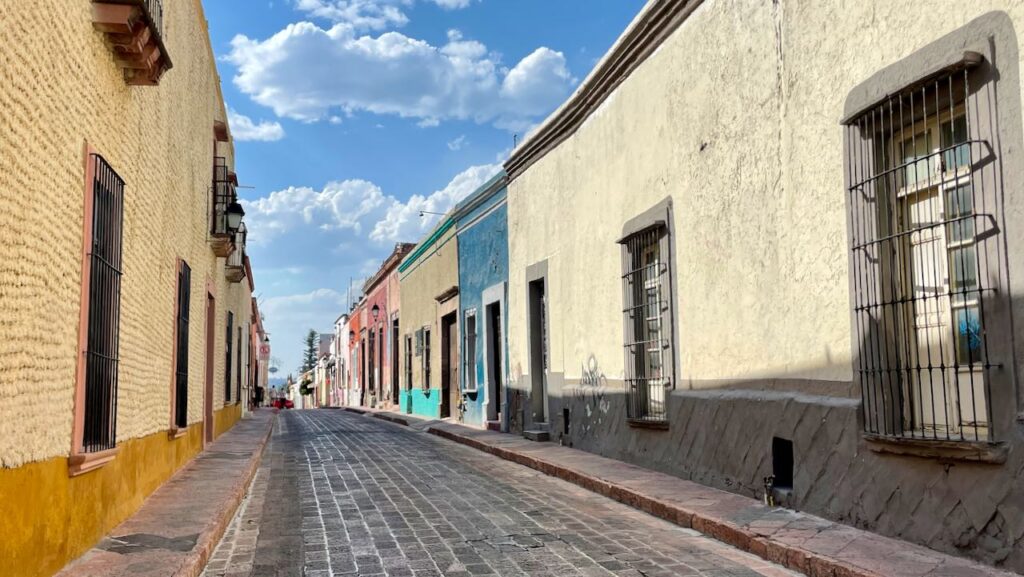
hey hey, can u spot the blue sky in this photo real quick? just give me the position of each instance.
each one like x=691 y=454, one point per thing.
x=351 y=116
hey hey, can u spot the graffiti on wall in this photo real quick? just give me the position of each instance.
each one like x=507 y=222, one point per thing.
x=591 y=396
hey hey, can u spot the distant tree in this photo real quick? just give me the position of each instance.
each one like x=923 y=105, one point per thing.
x=309 y=352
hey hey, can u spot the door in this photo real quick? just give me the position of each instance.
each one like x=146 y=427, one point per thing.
x=211 y=327
x=538 y=351
x=495 y=362
x=394 y=361
x=449 y=364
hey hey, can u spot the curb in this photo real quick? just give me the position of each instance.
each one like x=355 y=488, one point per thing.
x=196 y=560
x=795 y=558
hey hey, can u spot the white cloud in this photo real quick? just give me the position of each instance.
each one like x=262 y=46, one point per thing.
x=289 y=317
x=243 y=128
x=402 y=222
x=309 y=73
x=340 y=205
x=458 y=143
x=369 y=14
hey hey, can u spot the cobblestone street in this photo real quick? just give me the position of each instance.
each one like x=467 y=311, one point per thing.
x=341 y=494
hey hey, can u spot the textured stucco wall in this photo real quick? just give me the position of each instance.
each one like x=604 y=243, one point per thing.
x=433 y=272
x=61 y=90
x=483 y=263
x=736 y=117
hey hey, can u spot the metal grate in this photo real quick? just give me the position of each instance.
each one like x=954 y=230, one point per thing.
x=426 y=359
x=238 y=368
x=101 y=354
x=470 y=351
x=155 y=8
x=644 y=284
x=227 y=357
x=923 y=234
x=408 y=363
x=181 y=371
x=223 y=195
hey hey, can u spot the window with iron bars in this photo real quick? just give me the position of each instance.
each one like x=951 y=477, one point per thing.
x=181 y=371
x=409 y=363
x=227 y=356
x=647 y=318
x=925 y=237
x=426 y=358
x=239 y=374
x=104 y=324
x=470 y=351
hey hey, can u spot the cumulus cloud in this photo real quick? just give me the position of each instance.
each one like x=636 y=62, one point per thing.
x=243 y=128
x=402 y=221
x=289 y=317
x=369 y=14
x=310 y=73
x=340 y=205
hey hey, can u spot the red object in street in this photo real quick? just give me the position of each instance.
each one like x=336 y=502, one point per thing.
x=288 y=404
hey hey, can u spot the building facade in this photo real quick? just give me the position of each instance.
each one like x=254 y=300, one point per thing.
x=339 y=351
x=356 y=348
x=482 y=238
x=789 y=263
x=382 y=305
x=429 y=327
x=125 y=311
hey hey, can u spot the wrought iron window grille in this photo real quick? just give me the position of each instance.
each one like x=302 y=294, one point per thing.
x=181 y=371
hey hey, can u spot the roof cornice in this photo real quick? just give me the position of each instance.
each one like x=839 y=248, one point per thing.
x=656 y=22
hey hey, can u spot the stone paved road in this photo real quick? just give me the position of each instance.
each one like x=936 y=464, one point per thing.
x=343 y=494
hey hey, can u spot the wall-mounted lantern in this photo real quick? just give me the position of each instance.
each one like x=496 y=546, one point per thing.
x=235 y=212
x=375 y=311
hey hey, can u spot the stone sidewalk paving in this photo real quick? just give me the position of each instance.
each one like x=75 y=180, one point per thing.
x=803 y=542
x=179 y=525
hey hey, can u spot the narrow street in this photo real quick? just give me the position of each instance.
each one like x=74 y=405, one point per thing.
x=342 y=494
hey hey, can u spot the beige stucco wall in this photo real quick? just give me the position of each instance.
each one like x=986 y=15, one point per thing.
x=433 y=272
x=60 y=90
x=736 y=117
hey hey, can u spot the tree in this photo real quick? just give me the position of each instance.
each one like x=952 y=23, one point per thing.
x=309 y=352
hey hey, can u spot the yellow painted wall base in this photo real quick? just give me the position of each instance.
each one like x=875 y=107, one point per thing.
x=226 y=418
x=47 y=519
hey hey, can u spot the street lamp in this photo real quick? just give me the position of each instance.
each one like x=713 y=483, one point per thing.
x=235 y=212
x=375 y=311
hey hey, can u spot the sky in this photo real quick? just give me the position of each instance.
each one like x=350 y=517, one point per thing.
x=352 y=116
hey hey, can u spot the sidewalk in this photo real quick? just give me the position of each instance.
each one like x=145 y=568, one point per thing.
x=179 y=525
x=802 y=542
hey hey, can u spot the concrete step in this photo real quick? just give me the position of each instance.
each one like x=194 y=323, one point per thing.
x=537 y=435
x=494 y=425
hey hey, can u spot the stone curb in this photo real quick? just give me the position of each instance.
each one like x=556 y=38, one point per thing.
x=795 y=558
x=196 y=560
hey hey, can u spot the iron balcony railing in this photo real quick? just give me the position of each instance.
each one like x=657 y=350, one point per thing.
x=224 y=194
x=236 y=259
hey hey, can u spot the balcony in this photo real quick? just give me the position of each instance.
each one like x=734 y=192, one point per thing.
x=134 y=29
x=234 y=269
x=224 y=195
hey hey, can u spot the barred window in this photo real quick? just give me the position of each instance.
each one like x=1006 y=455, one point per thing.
x=227 y=357
x=925 y=251
x=238 y=369
x=426 y=358
x=408 y=362
x=648 y=322
x=470 y=351
x=104 y=273
x=181 y=362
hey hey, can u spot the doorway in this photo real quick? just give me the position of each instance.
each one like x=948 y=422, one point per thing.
x=538 y=350
x=449 y=363
x=495 y=362
x=211 y=327
x=394 y=361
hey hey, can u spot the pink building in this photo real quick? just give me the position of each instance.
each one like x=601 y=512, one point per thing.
x=380 y=331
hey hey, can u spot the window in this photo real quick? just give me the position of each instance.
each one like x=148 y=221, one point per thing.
x=426 y=358
x=102 y=309
x=923 y=230
x=238 y=368
x=227 y=357
x=647 y=317
x=371 y=373
x=408 y=362
x=181 y=346
x=470 y=351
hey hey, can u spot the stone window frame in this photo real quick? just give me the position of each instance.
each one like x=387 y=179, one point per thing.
x=987 y=48
x=469 y=339
x=657 y=219
x=80 y=461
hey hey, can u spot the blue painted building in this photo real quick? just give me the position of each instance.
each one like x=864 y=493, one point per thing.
x=482 y=235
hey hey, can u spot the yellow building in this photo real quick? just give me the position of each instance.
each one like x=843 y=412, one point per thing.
x=116 y=185
x=775 y=245
x=429 y=284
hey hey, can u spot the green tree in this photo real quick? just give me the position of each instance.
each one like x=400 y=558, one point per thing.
x=309 y=352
